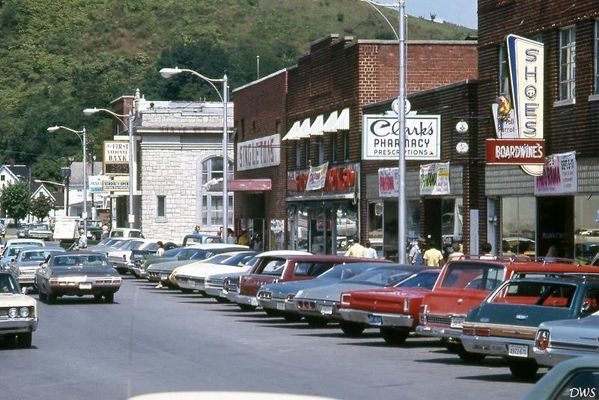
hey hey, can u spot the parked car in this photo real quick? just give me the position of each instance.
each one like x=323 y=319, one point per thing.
x=464 y=284
x=22 y=231
x=193 y=252
x=192 y=276
x=278 y=297
x=393 y=310
x=321 y=305
x=189 y=240
x=39 y=231
x=11 y=250
x=121 y=257
x=125 y=233
x=573 y=379
x=94 y=229
x=557 y=341
x=160 y=272
x=27 y=262
x=505 y=323
x=290 y=267
x=18 y=312
x=77 y=273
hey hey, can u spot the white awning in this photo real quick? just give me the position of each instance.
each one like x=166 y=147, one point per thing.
x=343 y=120
x=291 y=135
x=304 y=130
x=331 y=123
x=317 y=127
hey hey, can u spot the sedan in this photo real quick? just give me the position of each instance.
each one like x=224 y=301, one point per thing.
x=27 y=262
x=77 y=273
x=18 y=312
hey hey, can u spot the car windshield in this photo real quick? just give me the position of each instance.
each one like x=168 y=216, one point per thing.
x=37 y=255
x=217 y=259
x=382 y=276
x=345 y=271
x=78 y=261
x=425 y=280
x=173 y=252
x=39 y=227
x=8 y=284
x=472 y=275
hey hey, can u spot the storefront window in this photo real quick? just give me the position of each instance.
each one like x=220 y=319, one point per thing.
x=451 y=220
x=375 y=226
x=518 y=225
x=586 y=229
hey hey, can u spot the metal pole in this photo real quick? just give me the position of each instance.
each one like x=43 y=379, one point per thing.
x=131 y=217
x=401 y=117
x=225 y=161
x=84 y=214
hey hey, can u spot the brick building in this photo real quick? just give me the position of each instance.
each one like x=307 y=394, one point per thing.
x=326 y=91
x=528 y=213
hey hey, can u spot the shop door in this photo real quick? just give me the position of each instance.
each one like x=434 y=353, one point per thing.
x=555 y=226
x=320 y=232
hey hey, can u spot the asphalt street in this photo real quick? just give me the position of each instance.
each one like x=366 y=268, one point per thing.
x=159 y=340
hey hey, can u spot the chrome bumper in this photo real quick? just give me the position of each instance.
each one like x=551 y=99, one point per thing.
x=278 y=304
x=191 y=283
x=245 y=300
x=18 y=325
x=376 y=319
x=495 y=346
x=438 y=331
x=552 y=356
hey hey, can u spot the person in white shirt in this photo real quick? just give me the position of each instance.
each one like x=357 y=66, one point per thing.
x=356 y=249
x=370 y=252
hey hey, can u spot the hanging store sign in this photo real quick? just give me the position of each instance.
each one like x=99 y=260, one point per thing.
x=317 y=177
x=259 y=153
x=95 y=183
x=526 y=59
x=380 y=137
x=434 y=179
x=116 y=157
x=559 y=175
x=115 y=185
x=515 y=151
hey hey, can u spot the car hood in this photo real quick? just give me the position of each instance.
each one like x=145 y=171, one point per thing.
x=331 y=292
x=168 y=266
x=202 y=270
x=16 y=300
x=282 y=289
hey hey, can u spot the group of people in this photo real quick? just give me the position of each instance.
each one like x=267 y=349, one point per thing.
x=244 y=238
x=427 y=254
x=357 y=250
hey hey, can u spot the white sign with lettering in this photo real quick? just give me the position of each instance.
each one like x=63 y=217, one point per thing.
x=380 y=137
x=259 y=153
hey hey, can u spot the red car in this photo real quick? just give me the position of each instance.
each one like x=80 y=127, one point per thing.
x=464 y=284
x=282 y=268
x=394 y=310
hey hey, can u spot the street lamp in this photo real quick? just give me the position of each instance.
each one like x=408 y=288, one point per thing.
x=401 y=122
x=82 y=136
x=169 y=72
x=131 y=118
x=65 y=206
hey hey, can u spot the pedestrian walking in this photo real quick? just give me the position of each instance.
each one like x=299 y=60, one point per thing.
x=82 y=241
x=196 y=231
x=105 y=232
x=456 y=254
x=432 y=256
x=370 y=252
x=356 y=249
x=415 y=254
x=487 y=248
x=160 y=250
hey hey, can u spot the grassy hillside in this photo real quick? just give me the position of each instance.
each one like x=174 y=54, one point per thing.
x=58 y=57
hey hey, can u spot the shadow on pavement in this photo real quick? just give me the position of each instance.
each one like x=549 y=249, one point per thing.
x=508 y=378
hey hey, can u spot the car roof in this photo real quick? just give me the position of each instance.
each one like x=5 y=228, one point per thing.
x=209 y=246
x=282 y=253
x=333 y=258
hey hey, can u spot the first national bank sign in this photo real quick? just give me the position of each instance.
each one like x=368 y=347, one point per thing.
x=380 y=137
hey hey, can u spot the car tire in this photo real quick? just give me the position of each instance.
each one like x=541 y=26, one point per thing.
x=523 y=369
x=109 y=297
x=97 y=297
x=246 y=307
x=42 y=296
x=394 y=337
x=316 y=322
x=24 y=340
x=186 y=291
x=51 y=298
x=351 y=329
x=221 y=300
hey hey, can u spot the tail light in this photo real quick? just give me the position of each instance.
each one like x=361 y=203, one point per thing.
x=473 y=331
x=290 y=297
x=468 y=331
x=542 y=339
x=345 y=299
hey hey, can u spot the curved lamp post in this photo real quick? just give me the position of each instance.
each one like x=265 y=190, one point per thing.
x=129 y=126
x=169 y=72
x=82 y=136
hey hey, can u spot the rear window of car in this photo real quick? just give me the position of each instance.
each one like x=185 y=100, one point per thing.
x=535 y=293
x=79 y=261
x=312 y=269
x=473 y=276
x=274 y=267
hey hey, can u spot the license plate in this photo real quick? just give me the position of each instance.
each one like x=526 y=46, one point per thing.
x=281 y=306
x=326 y=310
x=517 y=350
x=164 y=277
x=457 y=322
x=376 y=320
x=85 y=286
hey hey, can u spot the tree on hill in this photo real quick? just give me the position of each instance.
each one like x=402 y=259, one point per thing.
x=41 y=206
x=15 y=201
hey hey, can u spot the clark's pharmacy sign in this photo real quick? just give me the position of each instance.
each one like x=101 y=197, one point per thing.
x=380 y=137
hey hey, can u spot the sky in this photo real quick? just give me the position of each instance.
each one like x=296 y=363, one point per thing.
x=460 y=12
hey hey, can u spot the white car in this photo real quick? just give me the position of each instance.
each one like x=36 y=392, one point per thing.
x=191 y=277
x=121 y=256
x=18 y=312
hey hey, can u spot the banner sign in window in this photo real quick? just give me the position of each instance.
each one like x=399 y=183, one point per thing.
x=559 y=175
x=434 y=179
x=317 y=177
